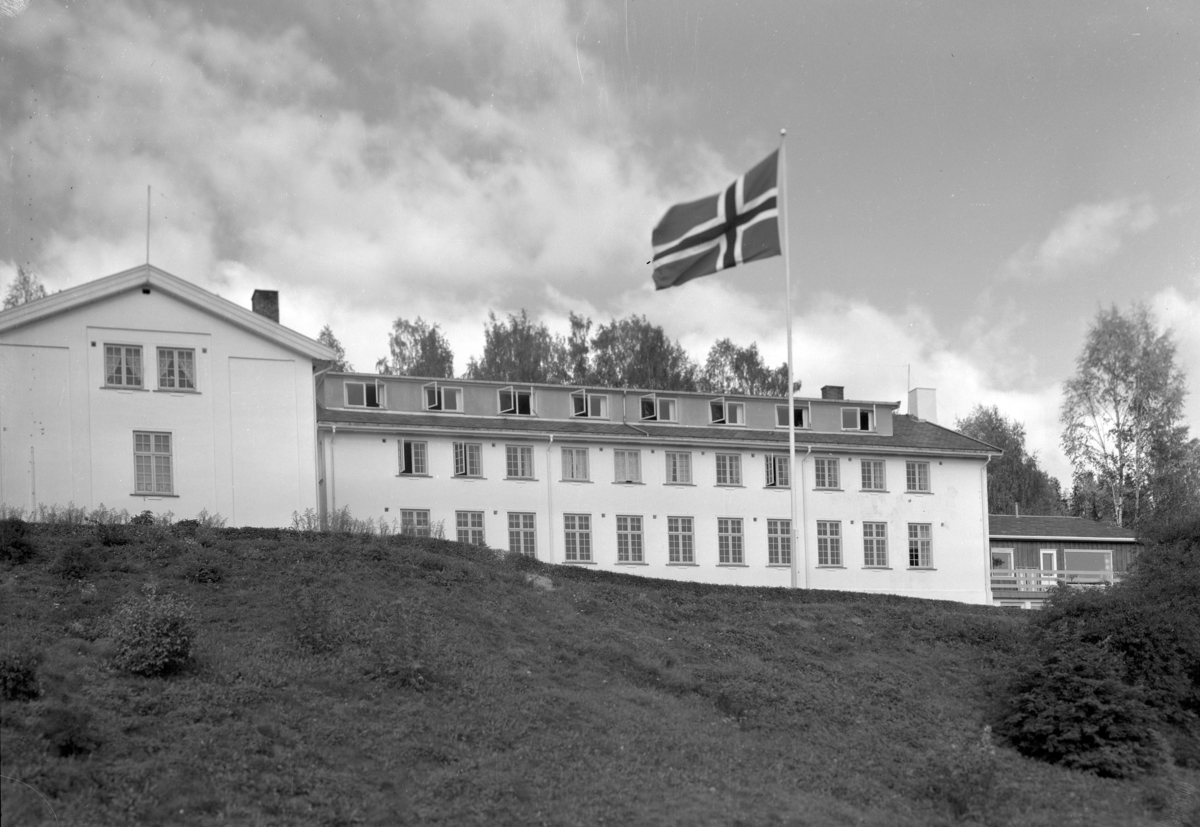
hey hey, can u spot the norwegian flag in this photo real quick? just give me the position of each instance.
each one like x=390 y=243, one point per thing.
x=736 y=226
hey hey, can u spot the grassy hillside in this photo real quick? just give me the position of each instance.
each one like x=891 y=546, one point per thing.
x=349 y=680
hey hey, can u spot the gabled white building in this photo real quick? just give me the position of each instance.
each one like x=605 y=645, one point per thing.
x=142 y=391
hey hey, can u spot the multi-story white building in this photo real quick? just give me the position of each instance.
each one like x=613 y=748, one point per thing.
x=674 y=485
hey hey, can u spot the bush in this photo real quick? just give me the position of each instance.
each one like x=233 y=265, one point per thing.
x=145 y=518
x=18 y=676
x=153 y=634
x=74 y=562
x=112 y=534
x=69 y=730
x=14 y=542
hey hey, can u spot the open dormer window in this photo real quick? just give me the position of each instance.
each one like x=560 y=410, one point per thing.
x=438 y=398
x=723 y=412
x=799 y=414
x=654 y=409
x=518 y=401
x=364 y=395
x=592 y=405
x=858 y=419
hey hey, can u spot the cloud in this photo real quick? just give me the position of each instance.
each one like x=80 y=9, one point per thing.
x=1085 y=236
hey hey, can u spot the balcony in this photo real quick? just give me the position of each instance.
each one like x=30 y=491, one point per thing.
x=1029 y=588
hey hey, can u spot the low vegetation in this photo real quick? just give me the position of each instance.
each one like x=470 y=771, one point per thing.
x=191 y=674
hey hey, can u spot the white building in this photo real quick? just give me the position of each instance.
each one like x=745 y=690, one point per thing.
x=674 y=485
x=142 y=391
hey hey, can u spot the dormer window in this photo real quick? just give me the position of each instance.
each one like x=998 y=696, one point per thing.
x=591 y=405
x=722 y=412
x=654 y=409
x=858 y=419
x=364 y=395
x=799 y=414
x=438 y=398
x=516 y=401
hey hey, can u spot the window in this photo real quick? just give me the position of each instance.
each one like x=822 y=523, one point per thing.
x=593 y=405
x=858 y=419
x=681 y=546
x=920 y=545
x=916 y=476
x=468 y=459
x=679 y=468
x=779 y=471
x=875 y=544
x=729 y=541
x=798 y=413
x=578 y=532
x=438 y=398
x=522 y=536
x=414 y=522
x=152 y=463
x=729 y=469
x=123 y=366
x=827 y=472
x=829 y=543
x=654 y=409
x=629 y=539
x=872 y=475
x=413 y=457
x=722 y=412
x=518 y=462
x=517 y=401
x=627 y=466
x=779 y=542
x=177 y=368
x=575 y=464
x=470 y=527
x=364 y=394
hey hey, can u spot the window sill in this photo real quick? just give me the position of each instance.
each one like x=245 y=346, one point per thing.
x=779 y=565
x=684 y=565
x=632 y=563
x=468 y=477
x=123 y=389
x=681 y=484
x=732 y=566
x=921 y=568
x=922 y=493
x=364 y=408
x=628 y=482
x=146 y=495
x=729 y=485
x=521 y=479
x=878 y=568
x=178 y=391
x=577 y=482
x=873 y=491
x=414 y=476
x=828 y=489
x=580 y=562
x=829 y=566
x=777 y=488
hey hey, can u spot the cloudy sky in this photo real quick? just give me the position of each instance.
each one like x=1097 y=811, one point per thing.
x=968 y=181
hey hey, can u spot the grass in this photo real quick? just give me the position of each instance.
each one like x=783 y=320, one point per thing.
x=370 y=680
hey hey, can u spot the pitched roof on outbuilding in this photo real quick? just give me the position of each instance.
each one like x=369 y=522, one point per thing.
x=1008 y=526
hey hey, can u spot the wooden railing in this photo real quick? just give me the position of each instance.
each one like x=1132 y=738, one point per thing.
x=1037 y=580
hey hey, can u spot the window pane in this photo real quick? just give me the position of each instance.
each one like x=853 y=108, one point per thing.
x=355 y=394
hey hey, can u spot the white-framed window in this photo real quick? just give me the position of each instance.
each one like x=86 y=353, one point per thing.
x=874 y=477
x=627 y=465
x=575 y=464
x=729 y=469
x=468 y=459
x=800 y=414
x=522 y=532
x=729 y=541
x=414 y=522
x=826 y=471
x=518 y=462
x=920 y=545
x=364 y=394
x=516 y=401
x=779 y=471
x=177 y=368
x=414 y=457
x=779 y=542
x=439 y=398
x=829 y=543
x=681 y=542
x=656 y=409
x=916 y=476
x=152 y=463
x=591 y=405
x=679 y=467
x=858 y=419
x=875 y=544
x=723 y=412
x=469 y=527
x=577 y=531
x=123 y=366
x=629 y=539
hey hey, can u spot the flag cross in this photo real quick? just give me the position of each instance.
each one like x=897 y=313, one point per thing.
x=734 y=215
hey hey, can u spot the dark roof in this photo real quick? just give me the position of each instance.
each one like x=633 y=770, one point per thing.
x=1058 y=528
x=908 y=432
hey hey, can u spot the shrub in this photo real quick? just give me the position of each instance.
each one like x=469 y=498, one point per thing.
x=74 y=562
x=14 y=542
x=69 y=730
x=153 y=634
x=203 y=567
x=112 y=534
x=18 y=676
x=145 y=518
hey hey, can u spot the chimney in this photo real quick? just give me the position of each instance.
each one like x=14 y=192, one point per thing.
x=266 y=303
x=833 y=392
x=922 y=404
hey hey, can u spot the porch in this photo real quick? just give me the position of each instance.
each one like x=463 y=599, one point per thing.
x=1028 y=588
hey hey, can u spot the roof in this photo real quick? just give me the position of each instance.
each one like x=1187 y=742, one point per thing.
x=1012 y=527
x=909 y=433
x=147 y=275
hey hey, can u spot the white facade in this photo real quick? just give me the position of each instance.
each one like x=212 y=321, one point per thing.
x=141 y=391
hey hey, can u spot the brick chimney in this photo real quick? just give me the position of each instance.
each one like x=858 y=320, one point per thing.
x=266 y=303
x=922 y=404
x=833 y=392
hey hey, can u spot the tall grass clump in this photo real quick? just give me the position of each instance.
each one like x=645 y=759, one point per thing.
x=153 y=634
x=15 y=545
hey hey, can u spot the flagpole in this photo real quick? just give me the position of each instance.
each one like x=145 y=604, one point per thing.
x=796 y=482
